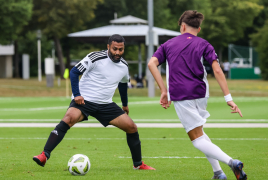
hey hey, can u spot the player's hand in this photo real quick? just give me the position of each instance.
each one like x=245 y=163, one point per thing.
x=79 y=100
x=234 y=108
x=125 y=108
x=164 y=100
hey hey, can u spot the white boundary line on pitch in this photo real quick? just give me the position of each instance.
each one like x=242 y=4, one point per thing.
x=212 y=100
x=138 y=120
x=166 y=157
x=150 y=139
x=143 y=125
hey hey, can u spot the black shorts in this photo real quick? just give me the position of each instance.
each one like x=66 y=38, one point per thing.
x=104 y=113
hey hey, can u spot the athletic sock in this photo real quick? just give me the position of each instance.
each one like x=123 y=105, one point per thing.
x=214 y=162
x=217 y=173
x=134 y=145
x=55 y=137
x=211 y=150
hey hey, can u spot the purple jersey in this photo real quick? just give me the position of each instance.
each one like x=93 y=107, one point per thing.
x=187 y=76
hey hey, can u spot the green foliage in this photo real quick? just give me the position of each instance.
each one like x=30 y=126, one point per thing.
x=57 y=18
x=260 y=39
x=14 y=14
x=227 y=20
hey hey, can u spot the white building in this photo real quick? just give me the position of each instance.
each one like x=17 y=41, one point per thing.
x=6 y=53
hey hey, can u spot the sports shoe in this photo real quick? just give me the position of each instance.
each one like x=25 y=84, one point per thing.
x=143 y=167
x=237 y=166
x=221 y=176
x=41 y=159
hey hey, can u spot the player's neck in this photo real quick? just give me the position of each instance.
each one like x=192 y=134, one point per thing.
x=191 y=32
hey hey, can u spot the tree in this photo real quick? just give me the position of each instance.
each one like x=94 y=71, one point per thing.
x=57 y=18
x=227 y=20
x=14 y=14
x=260 y=39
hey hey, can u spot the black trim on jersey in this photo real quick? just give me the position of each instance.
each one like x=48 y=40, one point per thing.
x=83 y=70
x=80 y=67
x=95 y=56
x=99 y=58
x=124 y=62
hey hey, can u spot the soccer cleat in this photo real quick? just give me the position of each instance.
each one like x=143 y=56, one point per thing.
x=143 y=167
x=41 y=159
x=236 y=167
x=221 y=176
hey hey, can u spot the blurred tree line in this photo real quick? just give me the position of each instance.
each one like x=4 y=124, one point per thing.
x=226 y=21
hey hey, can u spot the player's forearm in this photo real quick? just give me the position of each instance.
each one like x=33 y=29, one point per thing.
x=152 y=65
x=220 y=77
x=74 y=77
x=122 y=87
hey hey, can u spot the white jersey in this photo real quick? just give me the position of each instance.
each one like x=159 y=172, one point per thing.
x=101 y=77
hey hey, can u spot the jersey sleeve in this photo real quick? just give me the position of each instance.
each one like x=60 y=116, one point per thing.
x=160 y=54
x=125 y=79
x=85 y=64
x=210 y=54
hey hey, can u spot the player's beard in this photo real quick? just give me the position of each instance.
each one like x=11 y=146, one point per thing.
x=113 y=58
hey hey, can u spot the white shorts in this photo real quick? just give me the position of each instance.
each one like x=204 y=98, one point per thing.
x=192 y=113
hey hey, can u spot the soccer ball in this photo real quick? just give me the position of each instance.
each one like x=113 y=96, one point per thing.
x=78 y=164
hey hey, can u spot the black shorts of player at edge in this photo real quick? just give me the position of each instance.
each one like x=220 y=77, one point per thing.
x=104 y=113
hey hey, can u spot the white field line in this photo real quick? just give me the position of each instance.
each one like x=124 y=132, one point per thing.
x=149 y=139
x=144 y=125
x=166 y=157
x=138 y=120
x=212 y=100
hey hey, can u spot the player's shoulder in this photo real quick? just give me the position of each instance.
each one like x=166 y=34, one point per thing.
x=124 y=61
x=97 y=55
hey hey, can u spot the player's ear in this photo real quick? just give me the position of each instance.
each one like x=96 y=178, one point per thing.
x=108 y=46
x=199 y=29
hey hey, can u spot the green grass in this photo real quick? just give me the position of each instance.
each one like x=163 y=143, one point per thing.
x=142 y=109
x=105 y=146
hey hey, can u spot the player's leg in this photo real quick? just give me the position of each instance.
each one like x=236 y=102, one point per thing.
x=213 y=153
x=72 y=116
x=193 y=114
x=125 y=123
x=218 y=173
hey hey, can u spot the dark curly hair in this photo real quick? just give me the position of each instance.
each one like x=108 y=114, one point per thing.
x=117 y=38
x=192 y=18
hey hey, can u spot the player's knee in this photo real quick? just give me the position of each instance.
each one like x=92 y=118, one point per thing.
x=132 y=128
x=68 y=119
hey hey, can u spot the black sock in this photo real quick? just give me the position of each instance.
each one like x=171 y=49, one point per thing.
x=55 y=137
x=134 y=145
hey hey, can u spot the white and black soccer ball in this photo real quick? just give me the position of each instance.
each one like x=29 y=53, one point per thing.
x=78 y=164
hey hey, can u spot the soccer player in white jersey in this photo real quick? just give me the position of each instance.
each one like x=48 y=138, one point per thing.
x=188 y=87
x=103 y=72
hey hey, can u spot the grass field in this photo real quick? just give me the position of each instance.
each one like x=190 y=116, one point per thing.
x=142 y=109
x=168 y=150
x=33 y=88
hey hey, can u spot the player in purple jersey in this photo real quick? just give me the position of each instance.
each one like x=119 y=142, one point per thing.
x=188 y=87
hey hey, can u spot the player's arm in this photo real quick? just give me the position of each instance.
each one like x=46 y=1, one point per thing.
x=152 y=65
x=220 y=77
x=74 y=77
x=122 y=87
